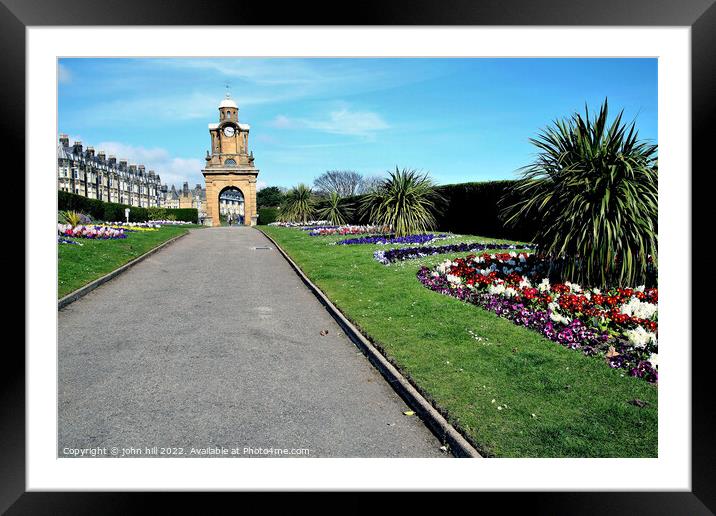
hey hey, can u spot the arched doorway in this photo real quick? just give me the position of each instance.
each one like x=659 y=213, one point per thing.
x=231 y=205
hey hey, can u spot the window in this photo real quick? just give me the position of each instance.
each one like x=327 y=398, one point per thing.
x=230 y=162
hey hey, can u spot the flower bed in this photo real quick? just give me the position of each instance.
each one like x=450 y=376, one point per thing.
x=61 y=240
x=317 y=228
x=399 y=254
x=139 y=226
x=161 y=223
x=391 y=239
x=93 y=232
x=348 y=230
x=619 y=324
x=299 y=224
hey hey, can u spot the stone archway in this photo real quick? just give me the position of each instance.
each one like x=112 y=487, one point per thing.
x=232 y=203
x=220 y=181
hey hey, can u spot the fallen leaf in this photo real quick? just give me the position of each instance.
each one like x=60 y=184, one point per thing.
x=612 y=352
x=443 y=448
x=639 y=403
x=324 y=333
x=409 y=413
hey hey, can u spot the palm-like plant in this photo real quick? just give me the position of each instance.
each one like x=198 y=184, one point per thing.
x=73 y=218
x=299 y=205
x=336 y=210
x=406 y=201
x=593 y=188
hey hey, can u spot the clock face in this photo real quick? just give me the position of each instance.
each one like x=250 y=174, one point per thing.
x=228 y=131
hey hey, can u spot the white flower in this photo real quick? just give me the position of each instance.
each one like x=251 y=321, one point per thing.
x=640 y=338
x=454 y=279
x=638 y=308
x=573 y=286
x=510 y=292
x=557 y=317
x=544 y=285
x=525 y=283
x=640 y=288
x=654 y=360
x=497 y=289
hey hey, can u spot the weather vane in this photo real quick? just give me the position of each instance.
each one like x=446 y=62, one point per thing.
x=228 y=92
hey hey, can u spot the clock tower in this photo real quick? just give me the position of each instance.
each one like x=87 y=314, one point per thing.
x=230 y=174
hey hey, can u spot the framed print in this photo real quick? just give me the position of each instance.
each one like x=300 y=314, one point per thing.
x=348 y=250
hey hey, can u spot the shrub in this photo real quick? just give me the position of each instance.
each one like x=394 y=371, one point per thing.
x=155 y=213
x=406 y=201
x=336 y=210
x=74 y=218
x=472 y=208
x=299 y=205
x=114 y=212
x=267 y=215
x=271 y=196
x=593 y=187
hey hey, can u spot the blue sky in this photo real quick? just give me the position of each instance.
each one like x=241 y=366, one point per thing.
x=458 y=119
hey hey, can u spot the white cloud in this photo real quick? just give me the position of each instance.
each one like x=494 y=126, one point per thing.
x=63 y=74
x=173 y=170
x=282 y=122
x=342 y=121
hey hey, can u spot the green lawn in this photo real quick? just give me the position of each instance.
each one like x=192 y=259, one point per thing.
x=79 y=265
x=553 y=402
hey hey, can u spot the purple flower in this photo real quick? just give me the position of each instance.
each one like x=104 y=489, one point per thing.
x=390 y=239
x=409 y=253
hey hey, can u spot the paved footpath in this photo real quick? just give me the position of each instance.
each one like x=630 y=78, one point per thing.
x=212 y=343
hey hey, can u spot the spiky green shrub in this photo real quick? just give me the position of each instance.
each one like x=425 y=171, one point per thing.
x=406 y=201
x=593 y=190
x=74 y=218
x=299 y=205
x=336 y=210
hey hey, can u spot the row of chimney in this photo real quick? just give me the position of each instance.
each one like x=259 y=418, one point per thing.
x=77 y=149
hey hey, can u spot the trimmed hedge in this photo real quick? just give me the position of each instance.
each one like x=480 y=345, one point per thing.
x=114 y=212
x=474 y=208
x=267 y=215
x=470 y=209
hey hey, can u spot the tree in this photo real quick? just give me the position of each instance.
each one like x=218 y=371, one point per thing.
x=593 y=187
x=345 y=183
x=269 y=197
x=336 y=210
x=406 y=201
x=299 y=205
x=370 y=184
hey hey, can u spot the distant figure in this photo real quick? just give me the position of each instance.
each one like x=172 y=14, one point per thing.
x=228 y=219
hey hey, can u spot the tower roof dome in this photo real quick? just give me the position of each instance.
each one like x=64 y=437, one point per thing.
x=228 y=102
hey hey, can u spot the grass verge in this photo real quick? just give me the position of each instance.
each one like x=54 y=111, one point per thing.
x=510 y=391
x=80 y=265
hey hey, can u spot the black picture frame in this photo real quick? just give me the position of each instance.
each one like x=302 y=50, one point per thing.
x=699 y=15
